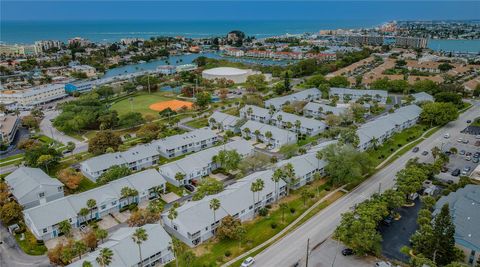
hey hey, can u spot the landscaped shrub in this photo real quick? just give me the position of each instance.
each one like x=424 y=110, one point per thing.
x=268 y=206
x=273 y=225
x=228 y=253
x=292 y=210
x=263 y=212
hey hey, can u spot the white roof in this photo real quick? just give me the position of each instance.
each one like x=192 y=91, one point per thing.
x=277 y=133
x=305 y=122
x=298 y=96
x=358 y=92
x=224 y=118
x=125 y=250
x=313 y=106
x=24 y=180
x=175 y=141
x=53 y=212
x=257 y=111
x=422 y=96
x=196 y=215
x=225 y=71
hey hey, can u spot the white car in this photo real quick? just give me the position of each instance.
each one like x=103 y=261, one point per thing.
x=248 y=262
x=446 y=136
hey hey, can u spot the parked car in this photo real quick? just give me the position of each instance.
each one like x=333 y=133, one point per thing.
x=459 y=140
x=465 y=141
x=424 y=153
x=477 y=136
x=446 y=136
x=468 y=158
x=444 y=169
x=469 y=121
x=468 y=154
x=347 y=252
x=475 y=160
x=415 y=149
x=383 y=264
x=476 y=155
x=466 y=170
x=456 y=172
x=189 y=187
x=248 y=262
x=462 y=152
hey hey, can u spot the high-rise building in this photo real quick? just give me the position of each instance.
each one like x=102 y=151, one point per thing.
x=411 y=42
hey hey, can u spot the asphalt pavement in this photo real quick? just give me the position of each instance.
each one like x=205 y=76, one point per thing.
x=291 y=249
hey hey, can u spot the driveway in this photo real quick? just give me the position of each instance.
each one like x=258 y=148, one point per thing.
x=399 y=232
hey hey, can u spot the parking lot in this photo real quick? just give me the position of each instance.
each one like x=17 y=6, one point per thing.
x=465 y=159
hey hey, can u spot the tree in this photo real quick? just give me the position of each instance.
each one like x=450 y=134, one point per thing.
x=101 y=234
x=283 y=207
x=228 y=229
x=130 y=119
x=339 y=81
x=83 y=213
x=286 y=82
x=276 y=177
x=289 y=176
x=70 y=178
x=90 y=239
x=172 y=214
x=44 y=161
x=179 y=176
x=203 y=99
x=436 y=152
x=103 y=140
x=449 y=97
x=445 y=67
x=256 y=82
x=79 y=248
x=30 y=122
x=105 y=257
x=434 y=113
x=344 y=163
x=214 y=206
x=410 y=179
x=10 y=213
x=91 y=204
x=128 y=193
x=65 y=227
x=208 y=186
x=349 y=136
x=70 y=146
x=289 y=150
x=114 y=173
x=305 y=195
x=260 y=184
x=228 y=160
x=140 y=236
x=443 y=234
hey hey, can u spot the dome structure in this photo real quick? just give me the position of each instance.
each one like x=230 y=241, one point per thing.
x=234 y=74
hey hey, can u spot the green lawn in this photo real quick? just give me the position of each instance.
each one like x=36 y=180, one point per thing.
x=476 y=122
x=395 y=142
x=140 y=103
x=11 y=160
x=30 y=245
x=259 y=230
x=85 y=185
x=198 y=123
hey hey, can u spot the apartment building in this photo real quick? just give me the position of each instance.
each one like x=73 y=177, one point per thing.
x=43 y=220
x=89 y=71
x=177 y=145
x=233 y=52
x=272 y=136
x=297 y=123
x=360 y=40
x=195 y=224
x=198 y=165
x=157 y=250
x=319 y=110
x=411 y=42
x=347 y=95
x=32 y=187
x=255 y=113
x=305 y=95
x=9 y=125
x=136 y=158
x=377 y=131
x=225 y=122
x=34 y=96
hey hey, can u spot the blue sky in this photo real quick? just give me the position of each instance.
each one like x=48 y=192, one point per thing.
x=235 y=10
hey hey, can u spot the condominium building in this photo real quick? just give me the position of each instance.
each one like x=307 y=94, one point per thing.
x=225 y=122
x=177 y=145
x=9 y=125
x=346 y=95
x=32 y=187
x=255 y=113
x=89 y=71
x=157 y=250
x=272 y=136
x=360 y=40
x=305 y=95
x=297 y=123
x=377 y=131
x=43 y=220
x=34 y=96
x=198 y=165
x=318 y=110
x=195 y=221
x=411 y=42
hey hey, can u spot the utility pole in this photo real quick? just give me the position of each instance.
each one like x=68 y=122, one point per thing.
x=379 y=187
x=308 y=247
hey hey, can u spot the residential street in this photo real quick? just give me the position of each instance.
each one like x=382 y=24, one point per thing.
x=292 y=247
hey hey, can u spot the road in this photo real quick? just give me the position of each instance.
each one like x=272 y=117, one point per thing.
x=292 y=247
x=12 y=256
x=47 y=129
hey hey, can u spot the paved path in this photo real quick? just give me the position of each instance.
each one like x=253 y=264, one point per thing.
x=291 y=248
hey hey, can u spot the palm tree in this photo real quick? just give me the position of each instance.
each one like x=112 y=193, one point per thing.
x=65 y=227
x=260 y=185
x=257 y=134
x=253 y=188
x=279 y=119
x=276 y=177
x=453 y=150
x=305 y=194
x=268 y=135
x=83 y=213
x=101 y=234
x=79 y=248
x=319 y=156
x=179 y=176
x=139 y=236
x=247 y=131
x=214 y=206
x=87 y=264
x=289 y=174
x=298 y=125
x=374 y=142
x=172 y=215
x=435 y=152
x=249 y=111
x=91 y=204
x=105 y=257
